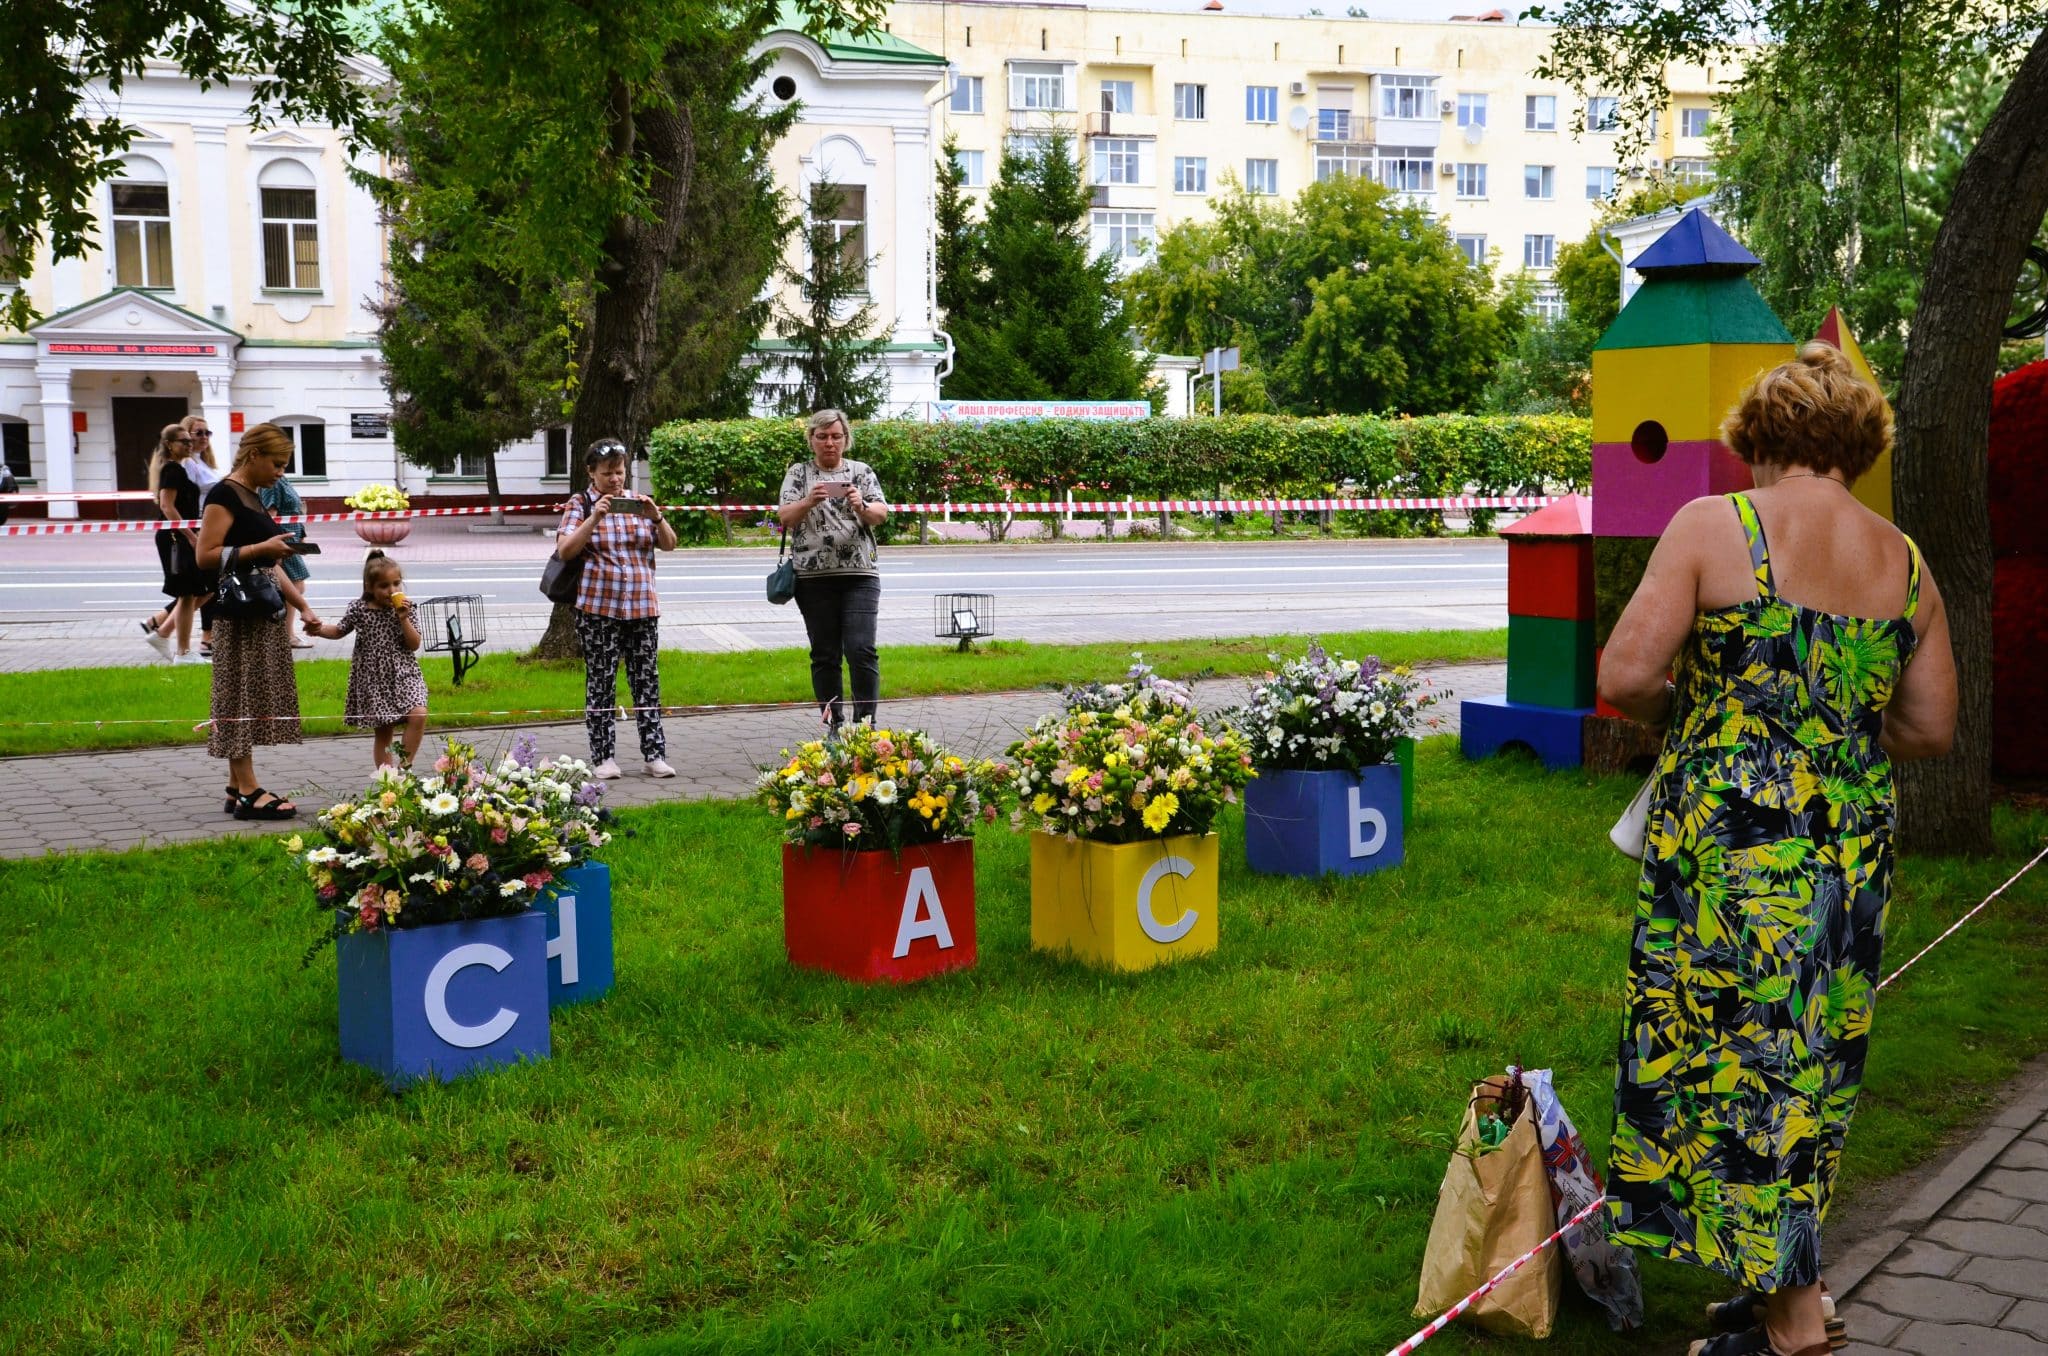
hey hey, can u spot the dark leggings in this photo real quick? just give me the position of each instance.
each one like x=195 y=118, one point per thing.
x=606 y=642
x=839 y=616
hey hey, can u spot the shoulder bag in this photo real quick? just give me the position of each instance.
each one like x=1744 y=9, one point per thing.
x=782 y=579
x=1630 y=831
x=560 y=579
x=246 y=592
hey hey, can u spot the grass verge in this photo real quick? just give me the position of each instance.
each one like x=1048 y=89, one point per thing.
x=64 y=710
x=1237 y=1154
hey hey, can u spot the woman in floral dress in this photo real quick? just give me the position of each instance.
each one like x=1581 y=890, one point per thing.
x=1811 y=651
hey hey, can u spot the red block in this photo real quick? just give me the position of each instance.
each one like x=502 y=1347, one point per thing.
x=2019 y=666
x=878 y=915
x=1600 y=706
x=1551 y=577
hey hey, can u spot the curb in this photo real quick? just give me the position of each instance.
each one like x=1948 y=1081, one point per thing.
x=2027 y=1108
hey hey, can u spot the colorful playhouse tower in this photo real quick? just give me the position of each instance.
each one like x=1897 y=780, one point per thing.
x=1665 y=375
x=1550 y=640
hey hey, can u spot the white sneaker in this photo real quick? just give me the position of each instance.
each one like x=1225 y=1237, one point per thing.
x=160 y=643
x=658 y=767
x=190 y=658
x=607 y=771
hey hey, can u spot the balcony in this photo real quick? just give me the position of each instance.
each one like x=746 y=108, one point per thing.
x=1411 y=131
x=1143 y=125
x=1341 y=126
x=1042 y=120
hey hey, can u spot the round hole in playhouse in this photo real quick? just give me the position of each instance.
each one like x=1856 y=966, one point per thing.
x=1649 y=442
x=784 y=87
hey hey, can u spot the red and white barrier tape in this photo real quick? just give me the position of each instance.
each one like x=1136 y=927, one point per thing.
x=1129 y=506
x=1964 y=919
x=82 y=497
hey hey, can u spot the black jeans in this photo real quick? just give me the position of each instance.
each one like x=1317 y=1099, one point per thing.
x=840 y=611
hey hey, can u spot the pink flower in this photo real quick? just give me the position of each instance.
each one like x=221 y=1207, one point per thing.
x=478 y=863
x=885 y=747
x=536 y=879
x=500 y=834
x=327 y=892
x=817 y=822
x=370 y=916
x=853 y=830
x=469 y=805
x=826 y=779
x=442 y=764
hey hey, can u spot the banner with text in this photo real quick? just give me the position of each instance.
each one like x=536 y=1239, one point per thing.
x=988 y=411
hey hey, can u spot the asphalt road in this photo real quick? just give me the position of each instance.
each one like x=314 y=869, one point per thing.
x=73 y=600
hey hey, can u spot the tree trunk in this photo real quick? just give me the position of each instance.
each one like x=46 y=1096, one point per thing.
x=491 y=491
x=1944 y=417
x=560 y=640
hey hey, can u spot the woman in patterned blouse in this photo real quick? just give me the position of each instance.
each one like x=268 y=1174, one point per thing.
x=830 y=506
x=617 y=611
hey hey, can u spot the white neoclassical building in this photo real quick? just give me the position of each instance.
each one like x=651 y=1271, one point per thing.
x=236 y=267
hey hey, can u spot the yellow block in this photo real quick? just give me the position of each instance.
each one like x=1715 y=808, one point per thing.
x=1689 y=389
x=1127 y=906
x=1875 y=487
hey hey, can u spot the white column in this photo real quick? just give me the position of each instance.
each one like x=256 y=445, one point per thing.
x=57 y=439
x=912 y=236
x=216 y=403
x=216 y=290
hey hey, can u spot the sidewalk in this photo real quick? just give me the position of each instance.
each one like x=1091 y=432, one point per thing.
x=1962 y=1267
x=152 y=797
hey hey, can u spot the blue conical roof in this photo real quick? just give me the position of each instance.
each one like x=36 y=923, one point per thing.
x=1696 y=245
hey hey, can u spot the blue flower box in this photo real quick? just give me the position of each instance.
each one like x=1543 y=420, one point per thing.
x=578 y=907
x=447 y=1000
x=1324 y=823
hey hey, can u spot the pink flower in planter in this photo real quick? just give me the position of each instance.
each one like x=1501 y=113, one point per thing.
x=853 y=830
x=478 y=863
x=499 y=835
x=536 y=879
x=827 y=779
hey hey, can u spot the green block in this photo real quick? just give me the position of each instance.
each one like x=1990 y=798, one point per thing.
x=1404 y=757
x=1618 y=565
x=1666 y=312
x=1550 y=662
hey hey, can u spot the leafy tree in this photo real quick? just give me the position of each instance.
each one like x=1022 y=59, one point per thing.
x=56 y=144
x=1346 y=300
x=956 y=255
x=836 y=355
x=1036 y=312
x=1840 y=51
x=1548 y=371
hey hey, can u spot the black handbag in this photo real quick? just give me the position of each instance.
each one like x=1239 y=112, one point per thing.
x=560 y=579
x=782 y=579
x=248 y=592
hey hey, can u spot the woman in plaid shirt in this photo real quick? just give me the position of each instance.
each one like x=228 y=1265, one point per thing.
x=618 y=615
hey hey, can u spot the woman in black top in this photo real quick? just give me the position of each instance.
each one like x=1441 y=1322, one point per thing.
x=255 y=691
x=177 y=497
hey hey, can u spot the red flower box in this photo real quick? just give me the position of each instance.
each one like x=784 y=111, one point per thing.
x=879 y=915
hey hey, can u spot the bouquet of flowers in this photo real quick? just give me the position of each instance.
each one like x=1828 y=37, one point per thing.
x=1147 y=767
x=1142 y=689
x=873 y=789
x=466 y=841
x=1322 y=713
x=378 y=498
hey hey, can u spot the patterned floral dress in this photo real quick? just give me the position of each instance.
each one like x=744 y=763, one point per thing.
x=384 y=678
x=1759 y=930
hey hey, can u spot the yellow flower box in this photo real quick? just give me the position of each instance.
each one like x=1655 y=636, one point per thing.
x=1124 y=906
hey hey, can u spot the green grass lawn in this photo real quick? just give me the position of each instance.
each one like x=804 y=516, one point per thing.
x=84 y=708
x=1236 y=1154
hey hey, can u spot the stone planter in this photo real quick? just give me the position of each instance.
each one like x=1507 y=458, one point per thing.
x=880 y=916
x=445 y=1001
x=383 y=531
x=1124 y=906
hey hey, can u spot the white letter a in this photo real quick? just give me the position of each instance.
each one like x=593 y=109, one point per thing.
x=911 y=927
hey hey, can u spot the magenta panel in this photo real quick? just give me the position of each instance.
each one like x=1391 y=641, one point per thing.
x=1634 y=498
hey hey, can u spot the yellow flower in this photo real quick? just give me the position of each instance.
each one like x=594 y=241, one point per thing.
x=1042 y=802
x=925 y=803
x=295 y=844
x=792 y=813
x=1112 y=760
x=391 y=899
x=443 y=885
x=1161 y=811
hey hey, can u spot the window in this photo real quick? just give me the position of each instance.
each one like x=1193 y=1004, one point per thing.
x=1539 y=113
x=1539 y=251
x=1191 y=174
x=1692 y=170
x=555 y=460
x=1122 y=235
x=14 y=446
x=1473 y=247
x=845 y=208
x=966 y=94
x=1040 y=86
x=1119 y=96
x=1599 y=182
x=1262 y=176
x=1343 y=158
x=1547 y=304
x=1539 y=181
x=1190 y=103
x=1262 y=103
x=1471 y=110
x=1118 y=161
x=309 y=449
x=1407 y=169
x=1694 y=122
x=1471 y=180
x=142 y=233
x=1603 y=114
x=470 y=466
x=1027 y=145
x=291 y=239
x=1333 y=124
x=973 y=167
x=1408 y=96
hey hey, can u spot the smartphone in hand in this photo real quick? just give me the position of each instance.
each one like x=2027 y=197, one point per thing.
x=837 y=489
x=303 y=548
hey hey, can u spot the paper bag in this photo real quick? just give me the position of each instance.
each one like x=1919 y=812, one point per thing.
x=1492 y=1208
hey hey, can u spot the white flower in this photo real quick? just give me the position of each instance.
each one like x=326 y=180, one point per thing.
x=559 y=857
x=1379 y=710
x=511 y=888
x=443 y=804
x=423 y=877
x=885 y=792
x=320 y=856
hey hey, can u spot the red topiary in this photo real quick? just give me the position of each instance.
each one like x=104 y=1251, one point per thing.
x=2019 y=666
x=2019 y=462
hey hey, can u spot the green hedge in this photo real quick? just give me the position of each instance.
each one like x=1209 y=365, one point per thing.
x=1247 y=456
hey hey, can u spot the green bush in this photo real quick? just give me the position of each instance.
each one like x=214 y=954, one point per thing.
x=1245 y=456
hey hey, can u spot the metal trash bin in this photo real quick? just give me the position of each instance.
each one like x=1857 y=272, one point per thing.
x=453 y=623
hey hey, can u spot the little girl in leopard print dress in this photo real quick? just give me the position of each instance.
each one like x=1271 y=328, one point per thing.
x=386 y=689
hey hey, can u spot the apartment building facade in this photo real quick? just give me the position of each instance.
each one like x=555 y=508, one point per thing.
x=1168 y=104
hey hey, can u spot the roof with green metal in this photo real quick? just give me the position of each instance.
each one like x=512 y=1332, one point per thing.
x=879 y=47
x=1667 y=312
